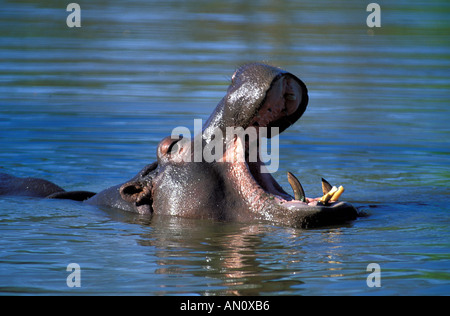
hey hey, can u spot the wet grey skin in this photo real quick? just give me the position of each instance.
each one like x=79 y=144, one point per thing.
x=227 y=190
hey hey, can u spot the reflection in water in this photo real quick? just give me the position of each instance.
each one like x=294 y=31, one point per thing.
x=231 y=253
x=240 y=259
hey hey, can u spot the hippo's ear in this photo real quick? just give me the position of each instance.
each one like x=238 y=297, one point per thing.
x=136 y=193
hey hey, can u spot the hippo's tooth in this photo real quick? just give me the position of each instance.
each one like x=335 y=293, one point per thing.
x=299 y=194
x=291 y=97
x=324 y=199
x=326 y=186
x=338 y=193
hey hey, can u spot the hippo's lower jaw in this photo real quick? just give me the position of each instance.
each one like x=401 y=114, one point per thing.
x=268 y=201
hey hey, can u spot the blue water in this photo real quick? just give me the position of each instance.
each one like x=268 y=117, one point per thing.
x=86 y=107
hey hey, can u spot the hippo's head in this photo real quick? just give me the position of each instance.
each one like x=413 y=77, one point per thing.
x=233 y=186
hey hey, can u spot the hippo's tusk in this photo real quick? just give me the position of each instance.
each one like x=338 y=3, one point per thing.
x=326 y=186
x=299 y=193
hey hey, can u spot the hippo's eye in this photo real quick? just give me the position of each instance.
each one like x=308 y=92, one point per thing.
x=167 y=145
x=172 y=145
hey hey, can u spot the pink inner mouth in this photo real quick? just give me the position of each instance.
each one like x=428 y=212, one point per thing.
x=257 y=187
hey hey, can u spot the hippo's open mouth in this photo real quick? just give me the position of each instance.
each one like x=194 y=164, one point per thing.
x=278 y=109
x=263 y=183
x=261 y=186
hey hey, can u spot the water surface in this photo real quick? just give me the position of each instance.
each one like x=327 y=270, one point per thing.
x=86 y=107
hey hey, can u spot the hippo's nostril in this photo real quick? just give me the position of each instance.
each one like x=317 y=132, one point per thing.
x=290 y=96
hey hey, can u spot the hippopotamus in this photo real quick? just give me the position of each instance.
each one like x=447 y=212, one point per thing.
x=231 y=188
